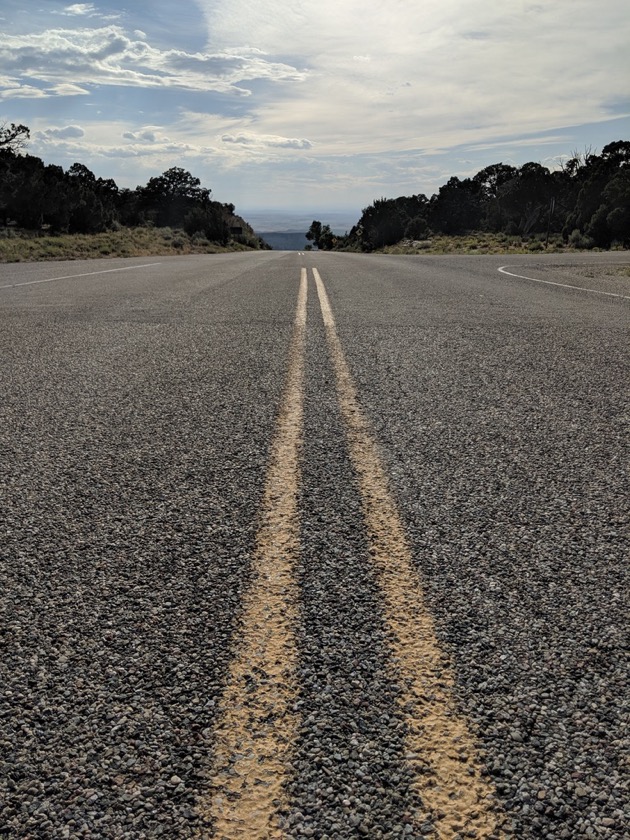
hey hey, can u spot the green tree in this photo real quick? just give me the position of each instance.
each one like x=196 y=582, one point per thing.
x=526 y=199
x=93 y=199
x=601 y=207
x=168 y=197
x=611 y=220
x=31 y=193
x=13 y=136
x=457 y=207
x=388 y=220
x=209 y=220
x=326 y=241
x=617 y=153
x=321 y=236
x=314 y=232
x=490 y=180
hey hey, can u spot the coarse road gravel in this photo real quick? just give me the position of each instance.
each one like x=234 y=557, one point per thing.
x=502 y=407
x=137 y=413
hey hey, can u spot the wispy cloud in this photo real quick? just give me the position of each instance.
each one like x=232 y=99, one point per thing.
x=521 y=142
x=13 y=89
x=85 y=11
x=266 y=142
x=440 y=73
x=67 y=89
x=145 y=136
x=22 y=92
x=107 y=55
x=65 y=133
x=81 y=9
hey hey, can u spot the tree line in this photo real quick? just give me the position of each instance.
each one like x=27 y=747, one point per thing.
x=586 y=201
x=36 y=195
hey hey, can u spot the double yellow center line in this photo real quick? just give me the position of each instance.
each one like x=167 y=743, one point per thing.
x=258 y=721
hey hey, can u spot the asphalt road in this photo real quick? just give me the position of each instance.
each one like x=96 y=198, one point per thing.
x=141 y=416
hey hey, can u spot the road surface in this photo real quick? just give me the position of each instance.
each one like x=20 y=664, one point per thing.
x=315 y=545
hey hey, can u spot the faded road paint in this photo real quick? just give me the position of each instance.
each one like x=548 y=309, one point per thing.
x=257 y=724
x=441 y=750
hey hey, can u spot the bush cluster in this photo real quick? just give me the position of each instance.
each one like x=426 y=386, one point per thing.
x=36 y=196
x=586 y=202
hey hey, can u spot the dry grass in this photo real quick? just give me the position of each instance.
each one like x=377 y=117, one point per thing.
x=481 y=243
x=128 y=242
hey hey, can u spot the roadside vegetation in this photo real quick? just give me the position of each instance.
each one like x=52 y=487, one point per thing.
x=126 y=242
x=583 y=205
x=48 y=213
x=486 y=243
x=477 y=243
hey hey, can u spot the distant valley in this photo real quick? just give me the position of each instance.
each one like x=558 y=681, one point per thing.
x=284 y=240
x=286 y=231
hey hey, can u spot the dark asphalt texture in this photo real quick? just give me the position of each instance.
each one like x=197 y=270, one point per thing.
x=136 y=414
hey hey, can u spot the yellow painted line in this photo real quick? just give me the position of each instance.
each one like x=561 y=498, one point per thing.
x=257 y=722
x=440 y=748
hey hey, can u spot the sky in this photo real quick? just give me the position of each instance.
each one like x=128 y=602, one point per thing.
x=314 y=105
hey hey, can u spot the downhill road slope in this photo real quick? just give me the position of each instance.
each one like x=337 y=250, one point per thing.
x=315 y=545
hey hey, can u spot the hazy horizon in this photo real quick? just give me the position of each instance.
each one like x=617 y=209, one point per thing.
x=269 y=221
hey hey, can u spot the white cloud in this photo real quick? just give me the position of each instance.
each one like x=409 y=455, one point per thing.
x=99 y=143
x=144 y=136
x=67 y=89
x=268 y=142
x=22 y=92
x=66 y=133
x=80 y=9
x=12 y=89
x=402 y=76
x=107 y=55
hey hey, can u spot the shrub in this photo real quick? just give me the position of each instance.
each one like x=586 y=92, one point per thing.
x=578 y=240
x=417 y=229
x=195 y=221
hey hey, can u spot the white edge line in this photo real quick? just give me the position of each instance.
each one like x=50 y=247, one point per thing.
x=71 y=276
x=564 y=285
